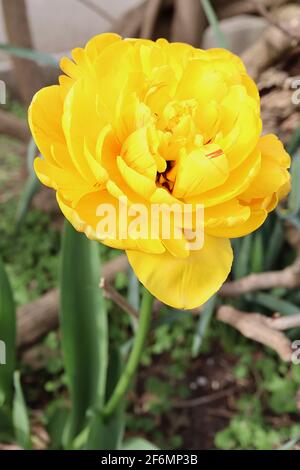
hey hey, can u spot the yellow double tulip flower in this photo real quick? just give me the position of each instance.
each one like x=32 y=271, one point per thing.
x=160 y=123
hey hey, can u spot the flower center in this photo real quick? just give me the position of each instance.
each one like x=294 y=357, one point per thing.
x=166 y=179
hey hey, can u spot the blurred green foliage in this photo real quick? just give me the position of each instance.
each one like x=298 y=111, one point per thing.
x=31 y=254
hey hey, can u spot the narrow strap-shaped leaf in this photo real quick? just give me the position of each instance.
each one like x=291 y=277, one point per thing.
x=84 y=328
x=107 y=434
x=133 y=289
x=274 y=303
x=294 y=142
x=293 y=206
x=203 y=324
x=24 y=53
x=242 y=257
x=294 y=197
x=138 y=443
x=7 y=341
x=275 y=244
x=20 y=415
x=291 y=443
x=214 y=23
x=31 y=187
x=257 y=253
x=133 y=295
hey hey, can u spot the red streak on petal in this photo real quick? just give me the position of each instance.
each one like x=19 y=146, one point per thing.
x=216 y=153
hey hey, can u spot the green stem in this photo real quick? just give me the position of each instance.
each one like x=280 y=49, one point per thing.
x=294 y=142
x=135 y=355
x=214 y=23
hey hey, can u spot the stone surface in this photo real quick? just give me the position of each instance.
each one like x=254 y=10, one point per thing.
x=240 y=31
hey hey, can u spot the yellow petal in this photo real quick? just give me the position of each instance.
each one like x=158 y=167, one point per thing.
x=202 y=82
x=243 y=137
x=236 y=225
x=66 y=84
x=98 y=43
x=85 y=218
x=273 y=174
x=99 y=172
x=270 y=146
x=225 y=215
x=238 y=181
x=197 y=173
x=224 y=54
x=207 y=120
x=82 y=126
x=110 y=70
x=162 y=196
x=83 y=57
x=136 y=153
x=131 y=114
x=137 y=182
x=177 y=54
x=71 y=184
x=45 y=117
x=70 y=68
x=189 y=282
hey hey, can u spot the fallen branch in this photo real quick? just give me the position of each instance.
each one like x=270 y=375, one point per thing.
x=37 y=318
x=273 y=44
x=284 y=323
x=189 y=22
x=204 y=400
x=290 y=29
x=262 y=329
x=149 y=20
x=10 y=447
x=129 y=25
x=227 y=9
x=118 y=299
x=13 y=126
x=28 y=74
x=288 y=278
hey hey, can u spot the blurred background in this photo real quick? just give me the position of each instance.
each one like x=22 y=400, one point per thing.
x=201 y=384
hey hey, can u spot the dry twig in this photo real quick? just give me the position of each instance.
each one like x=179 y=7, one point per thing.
x=262 y=329
x=204 y=400
x=117 y=298
x=10 y=447
x=13 y=126
x=274 y=43
x=189 y=22
x=288 y=278
x=290 y=28
x=227 y=9
x=37 y=318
